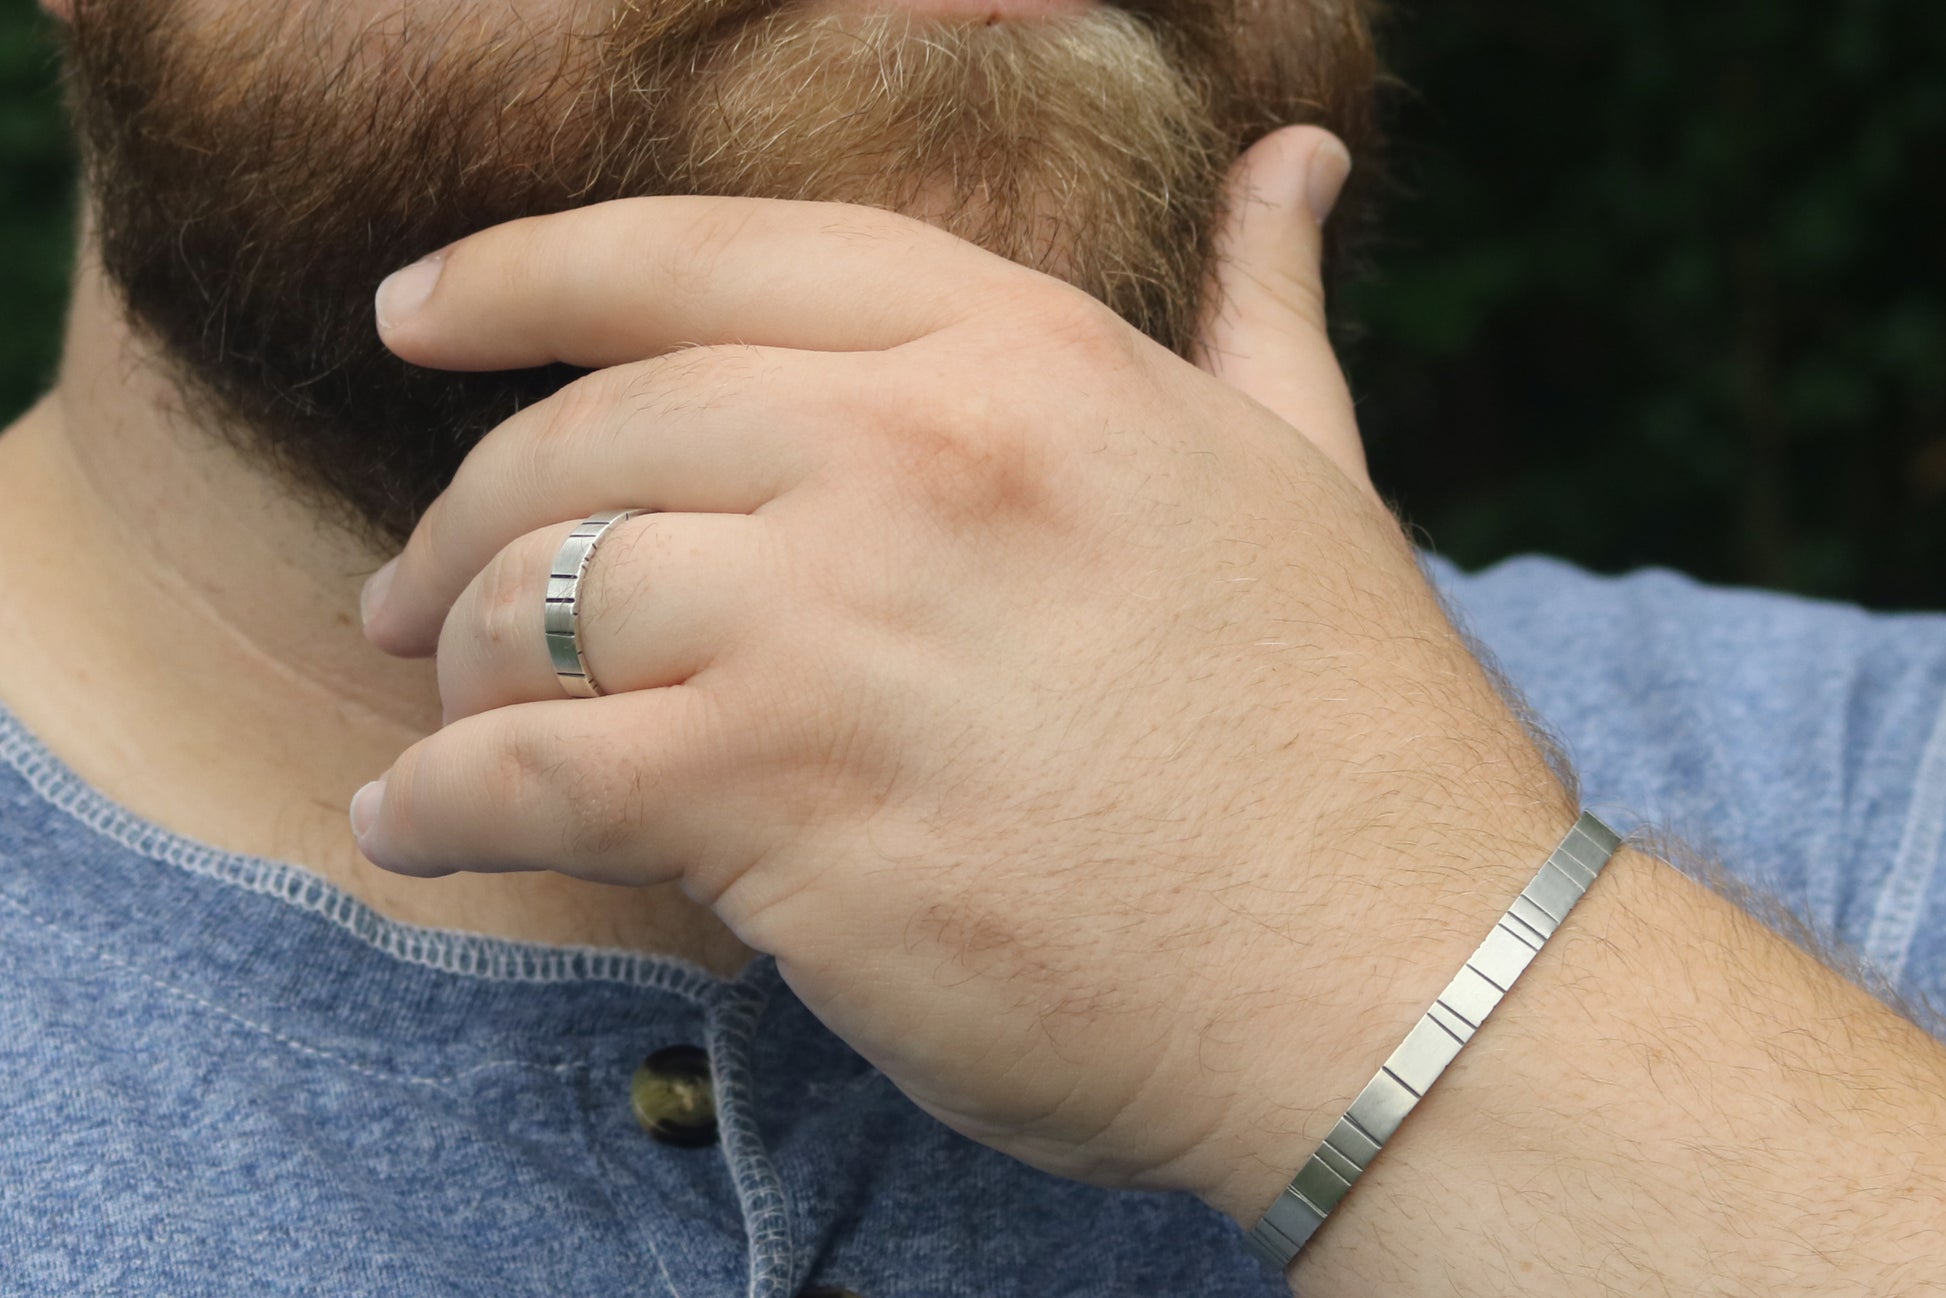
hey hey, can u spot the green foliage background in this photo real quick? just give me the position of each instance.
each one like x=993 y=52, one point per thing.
x=1666 y=286
x=1663 y=283
x=36 y=201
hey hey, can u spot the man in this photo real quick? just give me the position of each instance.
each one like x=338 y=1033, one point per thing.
x=1029 y=788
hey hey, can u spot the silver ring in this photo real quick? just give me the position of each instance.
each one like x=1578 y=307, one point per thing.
x=563 y=615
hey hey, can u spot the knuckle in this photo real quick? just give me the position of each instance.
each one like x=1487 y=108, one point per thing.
x=429 y=792
x=592 y=794
x=564 y=428
x=485 y=486
x=690 y=263
x=967 y=457
x=510 y=597
x=966 y=481
x=861 y=223
x=1084 y=331
x=426 y=550
x=577 y=407
x=444 y=529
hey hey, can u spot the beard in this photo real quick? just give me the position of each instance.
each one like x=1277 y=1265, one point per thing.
x=252 y=177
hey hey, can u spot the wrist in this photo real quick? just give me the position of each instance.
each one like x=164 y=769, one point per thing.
x=1671 y=1098
x=1374 y=958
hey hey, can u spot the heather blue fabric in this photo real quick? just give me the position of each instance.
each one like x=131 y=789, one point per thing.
x=219 y=1076
x=1798 y=744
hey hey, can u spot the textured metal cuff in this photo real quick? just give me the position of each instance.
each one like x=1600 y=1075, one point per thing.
x=1322 y=1183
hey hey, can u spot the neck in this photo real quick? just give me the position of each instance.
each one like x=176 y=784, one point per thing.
x=181 y=632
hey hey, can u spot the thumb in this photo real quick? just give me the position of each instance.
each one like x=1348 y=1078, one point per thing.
x=1263 y=321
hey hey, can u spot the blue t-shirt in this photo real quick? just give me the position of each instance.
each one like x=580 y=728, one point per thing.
x=221 y=1076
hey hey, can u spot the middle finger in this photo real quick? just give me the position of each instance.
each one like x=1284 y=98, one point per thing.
x=714 y=429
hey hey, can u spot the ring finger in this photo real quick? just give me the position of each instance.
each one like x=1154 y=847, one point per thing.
x=662 y=596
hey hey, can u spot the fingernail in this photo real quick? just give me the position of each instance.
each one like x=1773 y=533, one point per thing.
x=364 y=808
x=405 y=291
x=1325 y=175
x=373 y=595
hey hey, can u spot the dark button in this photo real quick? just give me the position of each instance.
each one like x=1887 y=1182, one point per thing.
x=674 y=1099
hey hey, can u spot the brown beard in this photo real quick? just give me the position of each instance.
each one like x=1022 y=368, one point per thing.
x=252 y=180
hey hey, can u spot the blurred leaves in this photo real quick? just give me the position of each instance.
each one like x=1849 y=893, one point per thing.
x=36 y=188
x=1666 y=286
x=1664 y=283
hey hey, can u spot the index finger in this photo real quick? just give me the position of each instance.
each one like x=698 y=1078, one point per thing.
x=634 y=278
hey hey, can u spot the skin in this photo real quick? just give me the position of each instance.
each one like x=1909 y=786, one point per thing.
x=255 y=748
x=873 y=673
x=877 y=722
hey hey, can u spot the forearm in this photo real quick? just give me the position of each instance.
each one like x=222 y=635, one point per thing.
x=1673 y=1099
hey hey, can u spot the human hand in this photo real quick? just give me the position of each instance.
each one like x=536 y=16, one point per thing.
x=1054 y=710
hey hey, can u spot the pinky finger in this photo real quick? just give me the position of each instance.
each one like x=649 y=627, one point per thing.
x=603 y=789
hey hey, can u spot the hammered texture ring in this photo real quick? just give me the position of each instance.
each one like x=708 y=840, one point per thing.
x=563 y=616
